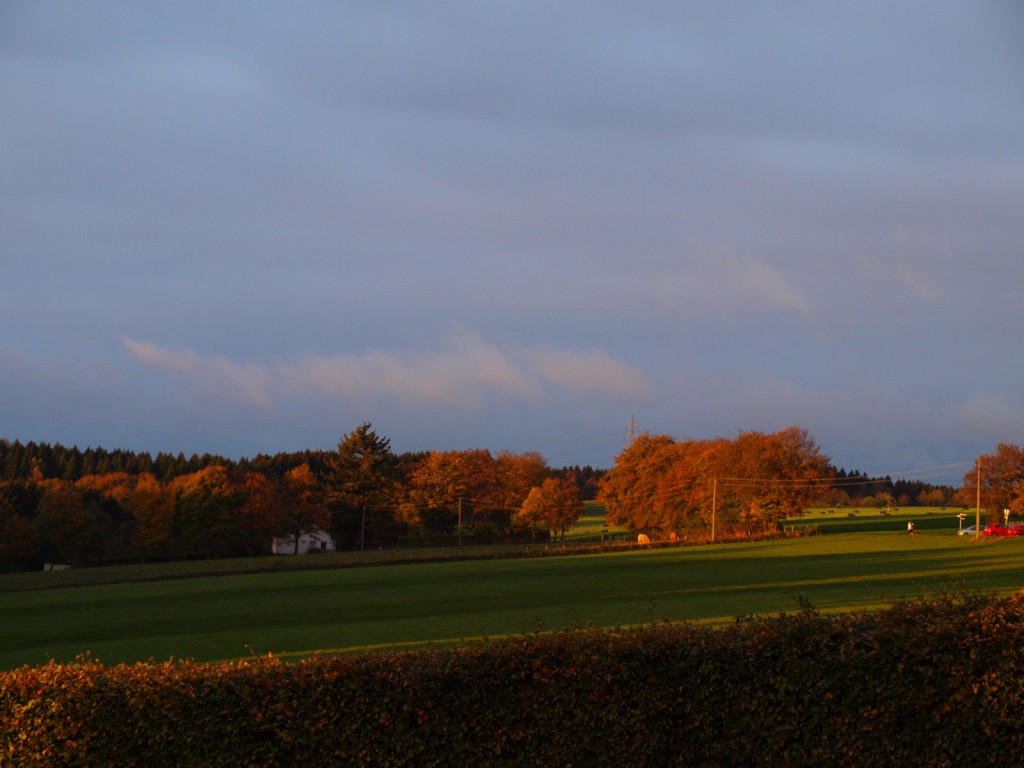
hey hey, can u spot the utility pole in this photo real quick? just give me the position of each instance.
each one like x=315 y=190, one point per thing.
x=977 y=514
x=460 y=521
x=362 y=530
x=714 y=504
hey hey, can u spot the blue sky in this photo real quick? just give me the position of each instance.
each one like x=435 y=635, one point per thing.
x=242 y=228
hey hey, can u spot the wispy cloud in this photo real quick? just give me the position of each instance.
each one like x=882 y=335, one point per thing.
x=722 y=277
x=761 y=281
x=920 y=285
x=465 y=371
x=580 y=372
x=211 y=373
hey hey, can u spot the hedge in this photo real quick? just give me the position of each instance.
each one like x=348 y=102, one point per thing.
x=932 y=682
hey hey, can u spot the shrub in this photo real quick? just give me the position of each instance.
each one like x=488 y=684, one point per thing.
x=932 y=682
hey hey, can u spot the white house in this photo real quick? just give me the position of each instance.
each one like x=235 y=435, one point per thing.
x=309 y=541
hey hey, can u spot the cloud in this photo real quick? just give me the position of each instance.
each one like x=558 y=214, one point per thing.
x=460 y=374
x=583 y=371
x=720 y=277
x=465 y=372
x=182 y=362
x=213 y=374
x=761 y=281
x=921 y=286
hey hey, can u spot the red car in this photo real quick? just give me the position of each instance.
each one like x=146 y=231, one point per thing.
x=995 y=529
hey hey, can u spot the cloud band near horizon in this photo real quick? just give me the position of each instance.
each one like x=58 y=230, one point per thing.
x=465 y=371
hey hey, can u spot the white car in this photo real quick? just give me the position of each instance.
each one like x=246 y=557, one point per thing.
x=970 y=530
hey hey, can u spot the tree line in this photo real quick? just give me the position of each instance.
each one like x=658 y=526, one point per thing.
x=857 y=488
x=65 y=505
x=22 y=461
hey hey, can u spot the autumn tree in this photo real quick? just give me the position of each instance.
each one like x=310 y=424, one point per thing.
x=115 y=486
x=515 y=475
x=151 y=505
x=439 y=486
x=302 y=507
x=483 y=504
x=630 y=490
x=21 y=546
x=1002 y=481
x=659 y=486
x=555 y=504
x=20 y=542
x=260 y=512
x=71 y=526
x=473 y=485
x=587 y=479
x=935 y=497
x=770 y=477
x=207 y=512
x=111 y=490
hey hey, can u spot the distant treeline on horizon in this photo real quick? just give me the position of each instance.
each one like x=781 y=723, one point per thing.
x=79 y=507
x=23 y=461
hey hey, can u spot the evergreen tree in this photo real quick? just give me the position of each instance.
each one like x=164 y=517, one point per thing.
x=360 y=485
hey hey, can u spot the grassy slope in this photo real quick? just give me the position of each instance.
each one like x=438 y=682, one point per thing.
x=300 y=612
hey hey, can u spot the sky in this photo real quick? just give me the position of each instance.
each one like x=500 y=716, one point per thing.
x=242 y=228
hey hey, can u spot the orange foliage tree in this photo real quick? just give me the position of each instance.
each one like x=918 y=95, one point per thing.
x=152 y=506
x=302 y=507
x=70 y=523
x=634 y=491
x=475 y=485
x=659 y=486
x=207 y=512
x=260 y=512
x=554 y=504
x=515 y=476
x=1002 y=481
x=438 y=487
x=766 y=478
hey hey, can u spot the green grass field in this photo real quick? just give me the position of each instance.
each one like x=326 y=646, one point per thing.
x=592 y=525
x=859 y=562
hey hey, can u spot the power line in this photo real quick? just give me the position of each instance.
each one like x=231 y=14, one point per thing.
x=798 y=483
